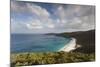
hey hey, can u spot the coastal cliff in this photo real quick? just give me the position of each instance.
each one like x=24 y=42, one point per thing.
x=86 y=39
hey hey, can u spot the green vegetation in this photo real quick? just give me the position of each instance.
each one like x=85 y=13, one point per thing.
x=83 y=54
x=23 y=59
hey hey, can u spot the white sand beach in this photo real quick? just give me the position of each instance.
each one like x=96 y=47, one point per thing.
x=70 y=46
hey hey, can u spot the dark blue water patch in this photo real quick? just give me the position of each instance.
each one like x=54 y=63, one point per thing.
x=37 y=43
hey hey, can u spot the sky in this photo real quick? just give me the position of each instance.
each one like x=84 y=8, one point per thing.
x=35 y=17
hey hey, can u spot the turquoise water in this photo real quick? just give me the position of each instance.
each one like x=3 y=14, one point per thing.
x=37 y=43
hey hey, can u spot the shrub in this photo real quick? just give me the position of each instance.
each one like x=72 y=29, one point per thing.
x=20 y=59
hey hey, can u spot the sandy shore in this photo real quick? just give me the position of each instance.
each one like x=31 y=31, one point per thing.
x=70 y=46
x=85 y=41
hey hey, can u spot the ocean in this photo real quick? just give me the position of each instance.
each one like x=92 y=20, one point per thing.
x=37 y=43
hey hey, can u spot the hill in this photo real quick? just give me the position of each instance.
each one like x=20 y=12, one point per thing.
x=86 y=39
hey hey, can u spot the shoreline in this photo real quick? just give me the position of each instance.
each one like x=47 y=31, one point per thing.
x=70 y=46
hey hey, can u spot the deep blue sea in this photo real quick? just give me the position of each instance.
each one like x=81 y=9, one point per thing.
x=37 y=43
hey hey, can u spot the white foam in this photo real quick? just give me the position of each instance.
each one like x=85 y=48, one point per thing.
x=70 y=46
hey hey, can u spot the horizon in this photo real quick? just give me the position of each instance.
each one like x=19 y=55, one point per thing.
x=54 y=33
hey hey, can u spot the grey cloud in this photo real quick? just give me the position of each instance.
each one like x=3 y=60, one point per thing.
x=68 y=18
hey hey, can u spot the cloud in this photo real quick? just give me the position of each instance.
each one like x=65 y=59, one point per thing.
x=50 y=25
x=17 y=27
x=40 y=12
x=76 y=16
x=21 y=7
x=31 y=17
x=35 y=24
x=32 y=26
